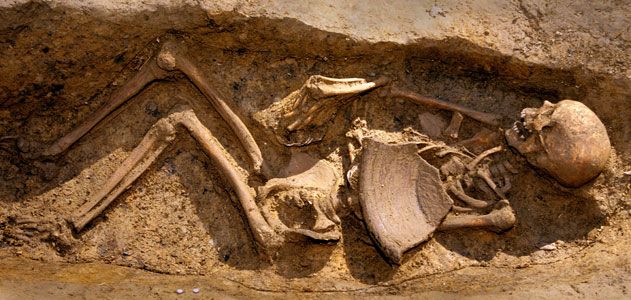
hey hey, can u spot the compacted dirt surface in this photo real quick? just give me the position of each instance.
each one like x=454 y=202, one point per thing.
x=180 y=225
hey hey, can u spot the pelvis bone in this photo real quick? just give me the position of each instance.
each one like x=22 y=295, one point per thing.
x=298 y=119
x=305 y=201
x=566 y=140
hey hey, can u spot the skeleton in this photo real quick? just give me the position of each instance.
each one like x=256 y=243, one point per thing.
x=303 y=199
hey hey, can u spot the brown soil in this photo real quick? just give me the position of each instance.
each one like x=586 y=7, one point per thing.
x=180 y=226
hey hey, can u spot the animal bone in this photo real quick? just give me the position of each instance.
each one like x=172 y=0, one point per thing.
x=483 y=117
x=566 y=140
x=299 y=118
x=159 y=136
x=308 y=194
x=169 y=58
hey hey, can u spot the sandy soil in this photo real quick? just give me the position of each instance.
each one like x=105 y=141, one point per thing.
x=179 y=225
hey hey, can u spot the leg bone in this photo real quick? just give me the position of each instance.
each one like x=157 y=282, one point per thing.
x=158 y=137
x=173 y=57
x=149 y=72
x=170 y=58
x=154 y=142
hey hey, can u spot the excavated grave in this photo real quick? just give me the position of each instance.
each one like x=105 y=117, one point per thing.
x=180 y=225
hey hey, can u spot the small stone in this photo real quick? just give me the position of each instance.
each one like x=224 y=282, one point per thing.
x=548 y=247
x=196 y=290
x=179 y=291
x=628 y=173
x=152 y=109
x=436 y=11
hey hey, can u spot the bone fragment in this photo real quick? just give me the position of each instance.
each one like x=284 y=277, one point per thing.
x=500 y=170
x=483 y=117
x=454 y=125
x=485 y=174
x=481 y=140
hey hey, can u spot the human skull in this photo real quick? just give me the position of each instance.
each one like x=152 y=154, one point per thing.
x=566 y=140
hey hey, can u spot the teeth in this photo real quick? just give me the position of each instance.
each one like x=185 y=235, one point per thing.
x=519 y=128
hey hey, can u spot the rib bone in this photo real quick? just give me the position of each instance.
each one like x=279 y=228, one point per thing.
x=456 y=189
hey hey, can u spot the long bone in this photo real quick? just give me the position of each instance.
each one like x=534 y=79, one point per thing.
x=498 y=220
x=169 y=58
x=155 y=141
x=483 y=117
